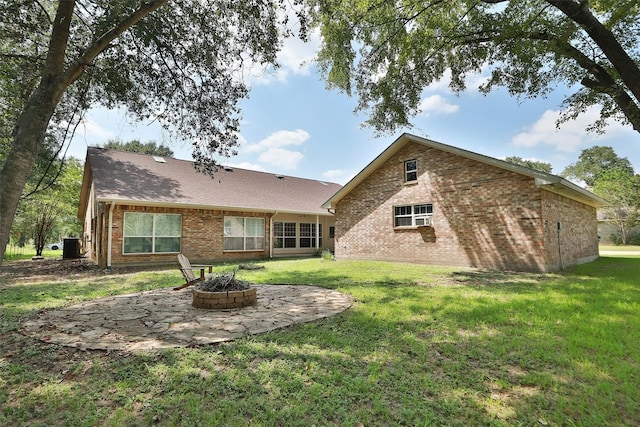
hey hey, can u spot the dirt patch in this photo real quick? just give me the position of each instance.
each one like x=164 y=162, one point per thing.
x=55 y=269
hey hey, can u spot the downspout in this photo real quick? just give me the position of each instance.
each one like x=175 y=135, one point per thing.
x=110 y=235
x=271 y=234
x=560 y=248
x=317 y=233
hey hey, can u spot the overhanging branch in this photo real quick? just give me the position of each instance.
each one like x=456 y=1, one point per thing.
x=103 y=42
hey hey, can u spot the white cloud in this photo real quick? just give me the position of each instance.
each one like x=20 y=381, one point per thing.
x=441 y=85
x=295 y=58
x=250 y=166
x=91 y=130
x=333 y=173
x=436 y=104
x=472 y=81
x=281 y=138
x=340 y=176
x=571 y=135
x=281 y=157
x=271 y=149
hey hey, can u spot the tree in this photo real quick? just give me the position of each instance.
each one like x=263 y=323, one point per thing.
x=593 y=162
x=531 y=164
x=176 y=61
x=43 y=226
x=61 y=197
x=135 y=146
x=387 y=52
x=622 y=190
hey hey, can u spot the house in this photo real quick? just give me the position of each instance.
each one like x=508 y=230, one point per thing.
x=426 y=202
x=140 y=209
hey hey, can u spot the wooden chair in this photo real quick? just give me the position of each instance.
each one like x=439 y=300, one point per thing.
x=187 y=272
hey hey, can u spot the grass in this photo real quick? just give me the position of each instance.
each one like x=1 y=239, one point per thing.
x=620 y=248
x=26 y=252
x=420 y=346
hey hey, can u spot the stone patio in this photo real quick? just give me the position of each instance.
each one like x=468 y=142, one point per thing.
x=165 y=318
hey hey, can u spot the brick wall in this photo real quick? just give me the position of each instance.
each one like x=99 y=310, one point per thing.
x=577 y=240
x=202 y=237
x=483 y=216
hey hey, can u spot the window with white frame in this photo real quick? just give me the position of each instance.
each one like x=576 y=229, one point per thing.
x=284 y=234
x=412 y=215
x=151 y=233
x=308 y=235
x=410 y=171
x=243 y=233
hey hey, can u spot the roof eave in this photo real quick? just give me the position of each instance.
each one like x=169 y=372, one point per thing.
x=207 y=207
x=550 y=182
x=572 y=191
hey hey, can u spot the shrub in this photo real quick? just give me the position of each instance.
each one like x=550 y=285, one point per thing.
x=327 y=255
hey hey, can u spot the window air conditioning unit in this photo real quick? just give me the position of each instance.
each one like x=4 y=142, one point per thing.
x=424 y=221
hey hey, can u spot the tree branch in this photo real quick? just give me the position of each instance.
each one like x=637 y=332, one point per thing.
x=627 y=68
x=604 y=83
x=56 y=53
x=103 y=42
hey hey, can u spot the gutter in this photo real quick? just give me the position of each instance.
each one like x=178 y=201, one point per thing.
x=207 y=207
x=561 y=186
x=271 y=234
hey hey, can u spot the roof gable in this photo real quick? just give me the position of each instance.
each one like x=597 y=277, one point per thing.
x=133 y=178
x=544 y=180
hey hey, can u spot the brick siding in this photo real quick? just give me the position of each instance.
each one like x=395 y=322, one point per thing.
x=202 y=236
x=483 y=216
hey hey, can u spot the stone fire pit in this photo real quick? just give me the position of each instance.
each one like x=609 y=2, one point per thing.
x=222 y=300
x=223 y=291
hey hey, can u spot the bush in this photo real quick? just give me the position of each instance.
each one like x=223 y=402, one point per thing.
x=616 y=239
x=327 y=255
x=634 y=239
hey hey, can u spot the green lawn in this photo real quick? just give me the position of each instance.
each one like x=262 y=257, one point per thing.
x=620 y=248
x=16 y=253
x=420 y=346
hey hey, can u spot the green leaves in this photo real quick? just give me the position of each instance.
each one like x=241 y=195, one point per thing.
x=612 y=178
x=532 y=164
x=593 y=162
x=388 y=52
x=622 y=189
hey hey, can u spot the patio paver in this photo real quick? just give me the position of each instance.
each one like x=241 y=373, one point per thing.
x=165 y=318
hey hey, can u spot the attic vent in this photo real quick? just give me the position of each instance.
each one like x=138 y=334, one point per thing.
x=228 y=168
x=323 y=183
x=280 y=176
x=159 y=159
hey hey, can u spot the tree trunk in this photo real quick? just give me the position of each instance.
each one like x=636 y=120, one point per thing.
x=32 y=124
x=27 y=143
x=625 y=65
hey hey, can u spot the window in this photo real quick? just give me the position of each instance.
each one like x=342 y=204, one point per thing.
x=410 y=171
x=151 y=233
x=412 y=215
x=332 y=232
x=284 y=234
x=308 y=235
x=243 y=233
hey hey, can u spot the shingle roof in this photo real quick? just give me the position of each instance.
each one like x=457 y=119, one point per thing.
x=138 y=178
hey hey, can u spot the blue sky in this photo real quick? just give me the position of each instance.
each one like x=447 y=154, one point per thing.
x=292 y=125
